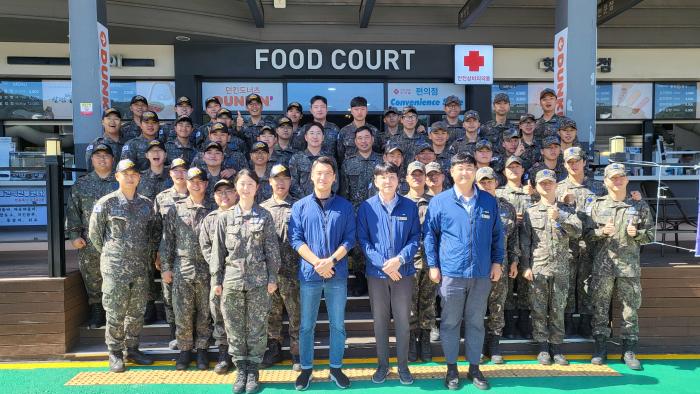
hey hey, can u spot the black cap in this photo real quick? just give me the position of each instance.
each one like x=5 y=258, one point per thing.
x=295 y=104
x=224 y=112
x=392 y=146
x=391 y=110
x=178 y=162
x=110 y=111
x=259 y=145
x=218 y=126
x=284 y=120
x=511 y=132
x=183 y=100
x=102 y=148
x=267 y=128
x=213 y=145
x=526 y=117
x=501 y=97
x=149 y=115
x=184 y=119
x=224 y=182
x=358 y=101
x=139 y=98
x=279 y=169
x=212 y=99
x=155 y=144
x=547 y=91
x=252 y=97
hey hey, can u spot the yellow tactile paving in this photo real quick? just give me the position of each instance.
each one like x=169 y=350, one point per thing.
x=288 y=376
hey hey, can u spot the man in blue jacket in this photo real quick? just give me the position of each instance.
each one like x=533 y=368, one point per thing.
x=463 y=241
x=322 y=231
x=388 y=231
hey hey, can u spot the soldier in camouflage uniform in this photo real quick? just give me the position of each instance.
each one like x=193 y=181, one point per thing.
x=438 y=135
x=548 y=124
x=465 y=143
x=135 y=148
x=493 y=129
x=393 y=154
x=287 y=294
x=410 y=137
x=183 y=109
x=518 y=195
x=486 y=157
x=549 y=228
x=551 y=160
x=452 y=107
x=346 y=138
x=579 y=191
x=422 y=317
x=259 y=162
x=182 y=144
x=300 y=163
x=124 y=229
x=282 y=152
x=619 y=225
x=83 y=195
x=250 y=129
x=225 y=197
x=183 y=265
x=391 y=127
x=331 y=131
x=232 y=161
x=246 y=248
x=212 y=105
x=112 y=137
x=486 y=180
x=132 y=128
x=164 y=201
x=531 y=153
x=236 y=140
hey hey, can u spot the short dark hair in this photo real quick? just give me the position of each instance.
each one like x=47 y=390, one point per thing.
x=363 y=128
x=386 y=168
x=358 y=101
x=316 y=98
x=324 y=160
x=462 y=158
x=314 y=123
x=246 y=172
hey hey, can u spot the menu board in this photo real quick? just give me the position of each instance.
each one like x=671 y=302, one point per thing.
x=517 y=93
x=676 y=100
x=160 y=96
x=631 y=100
x=21 y=100
x=603 y=100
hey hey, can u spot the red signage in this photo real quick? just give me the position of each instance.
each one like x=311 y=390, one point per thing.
x=103 y=40
x=560 y=71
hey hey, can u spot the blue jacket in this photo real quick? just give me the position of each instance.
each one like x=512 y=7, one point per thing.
x=463 y=246
x=383 y=235
x=323 y=230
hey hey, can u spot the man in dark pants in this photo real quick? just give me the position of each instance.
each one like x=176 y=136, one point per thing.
x=457 y=217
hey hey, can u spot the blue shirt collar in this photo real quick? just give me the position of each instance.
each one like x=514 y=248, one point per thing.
x=461 y=197
x=389 y=205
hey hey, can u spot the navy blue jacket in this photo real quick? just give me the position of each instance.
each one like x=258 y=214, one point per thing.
x=463 y=246
x=383 y=235
x=323 y=230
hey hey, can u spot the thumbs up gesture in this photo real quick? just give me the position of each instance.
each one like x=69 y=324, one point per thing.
x=239 y=120
x=609 y=228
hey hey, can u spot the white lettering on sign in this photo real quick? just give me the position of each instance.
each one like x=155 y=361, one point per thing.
x=560 y=79
x=340 y=59
x=103 y=41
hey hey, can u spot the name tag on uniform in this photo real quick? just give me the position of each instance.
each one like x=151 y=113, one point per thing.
x=256 y=221
x=401 y=218
x=486 y=215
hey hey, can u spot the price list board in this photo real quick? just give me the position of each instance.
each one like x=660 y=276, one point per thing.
x=675 y=100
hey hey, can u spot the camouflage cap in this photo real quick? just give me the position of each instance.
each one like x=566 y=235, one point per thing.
x=439 y=125
x=567 y=122
x=295 y=104
x=511 y=132
x=415 y=166
x=155 y=144
x=213 y=145
x=527 y=117
x=184 y=119
x=102 y=148
x=471 y=114
x=178 y=162
x=259 y=145
x=252 y=97
x=218 y=126
x=546 y=92
x=550 y=140
x=485 y=172
x=408 y=109
x=110 y=111
x=483 y=143
x=139 y=99
x=196 y=172
x=421 y=146
x=224 y=182
x=391 y=110
x=392 y=146
x=574 y=153
x=451 y=99
x=149 y=116
x=615 y=169
x=212 y=99
x=183 y=100
x=546 y=174
x=124 y=165
x=501 y=97
x=279 y=170
x=224 y=112
x=514 y=159
x=284 y=120
x=433 y=166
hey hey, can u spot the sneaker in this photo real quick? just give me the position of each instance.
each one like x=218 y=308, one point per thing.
x=405 y=377
x=560 y=359
x=544 y=358
x=304 y=379
x=477 y=378
x=435 y=334
x=339 y=378
x=296 y=363
x=116 y=361
x=380 y=375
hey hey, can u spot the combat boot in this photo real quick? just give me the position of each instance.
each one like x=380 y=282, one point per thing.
x=224 y=361
x=569 y=327
x=509 y=328
x=202 y=359
x=600 y=352
x=183 y=360
x=543 y=356
x=149 y=316
x=524 y=323
x=426 y=350
x=252 y=384
x=241 y=377
x=136 y=356
x=559 y=358
x=412 y=346
x=495 y=350
x=629 y=356
x=116 y=361
x=172 y=345
x=273 y=354
x=584 y=326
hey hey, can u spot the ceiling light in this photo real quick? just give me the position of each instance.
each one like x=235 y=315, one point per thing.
x=182 y=38
x=280 y=4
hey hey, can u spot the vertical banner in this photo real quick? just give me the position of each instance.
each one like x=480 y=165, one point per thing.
x=560 y=45
x=697 y=233
x=103 y=44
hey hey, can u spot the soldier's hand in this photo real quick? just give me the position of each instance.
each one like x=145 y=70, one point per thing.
x=420 y=129
x=239 y=120
x=528 y=274
x=632 y=230
x=519 y=217
x=513 y=271
x=217 y=290
x=527 y=189
x=78 y=243
x=520 y=149
x=271 y=288
x=636 y=196
x=157 y=262
x=435 y=275
x=167 y=276
x=609 y=228
x=553 y=213
x=228 y=173
x=568 y=198
x=496 y=272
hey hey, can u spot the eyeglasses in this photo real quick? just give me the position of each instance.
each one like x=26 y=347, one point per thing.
x=410 y=117
x=221 y=193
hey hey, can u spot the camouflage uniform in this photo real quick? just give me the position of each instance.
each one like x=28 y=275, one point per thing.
x=300 y=169
x=180 y=254
x=499 y=290
x=282 y=155
x=206 y=237
x=357 y=177
x=616 y=262
x=408 y=145
x=246 y=249
x=346 y=141
x=201 y=134
x=444 y=159
x=455 y=131
x=462 y=145
x=545 y=128
x=579 y=299
x=545 y=249
x=232 y=159
x=384 y=136
x=116 y=146
x=559 y=169
x=175 y=149
x=331 y=133
x=264 y=189
x=493 y=131
x=250 y=131
x=125 y=233
x=531 y=155
x=287 y=294
x=129 y=130
x=83 y=195
x=135 y=150
x=169 y=134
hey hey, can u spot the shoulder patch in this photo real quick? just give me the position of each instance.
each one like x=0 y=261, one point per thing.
x=97 y=208
x=125 y=148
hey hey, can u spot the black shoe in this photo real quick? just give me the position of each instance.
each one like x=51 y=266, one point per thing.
x=241 y=377
x=339 y=378
x=478 y=378
x=223 y=363
x=380 y=375
x=405 y=377
x=172 y=345
x=509 y=330
x=412 y=346
x=296 y=363
x=584 y=326
x=149 y=316
x=202 y=359
x=494 y=349
x=426 y=350
x=101 y=316
x=304 y=379
x=183 y=360
x=116 y=361
x=252 y=380
x=524 y=323
x=273 y=354
x=452 y=377
x=569 y=326
x=92 y=320
x=137 y=357
x=600 y=352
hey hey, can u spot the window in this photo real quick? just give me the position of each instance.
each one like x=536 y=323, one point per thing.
x=338 y=94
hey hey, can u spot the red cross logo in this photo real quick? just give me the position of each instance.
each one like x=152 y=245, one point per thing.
x=474 y=61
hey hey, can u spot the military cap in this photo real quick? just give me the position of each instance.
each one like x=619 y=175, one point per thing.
x=284 y=120
x=421 y=146
x=110 y=111
x=546 y=92
x=439 y=125
x=483 y=143
x=183 y=100
x=279 y=170
x=223 y=182
x=514 y=159
x=358 y=101
x=615 y=169
x=416 y=165
x=252 y=97
x=259 y=145
x=550 y=140
x=471 y=114
x=102 y=148
x=526 y=117
x=511 y=132
x=178 y=162
x=392 y=146
x=196 y=172
x=212 y=99
x=149 y=116
x=485 y=172
x=155 y=144
x=218 y=126
x=125 y=164
x=408 y=109
x=574 y=153
x=433 y=166
x=224 y=112
x=295 y=104
x=546 y=174
x=390 y=110
x=184 y=118
x=267 y=129
x=501 y=97
x=213 y=145
x=139 y=99
x=567 y=122
x=451 y=99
